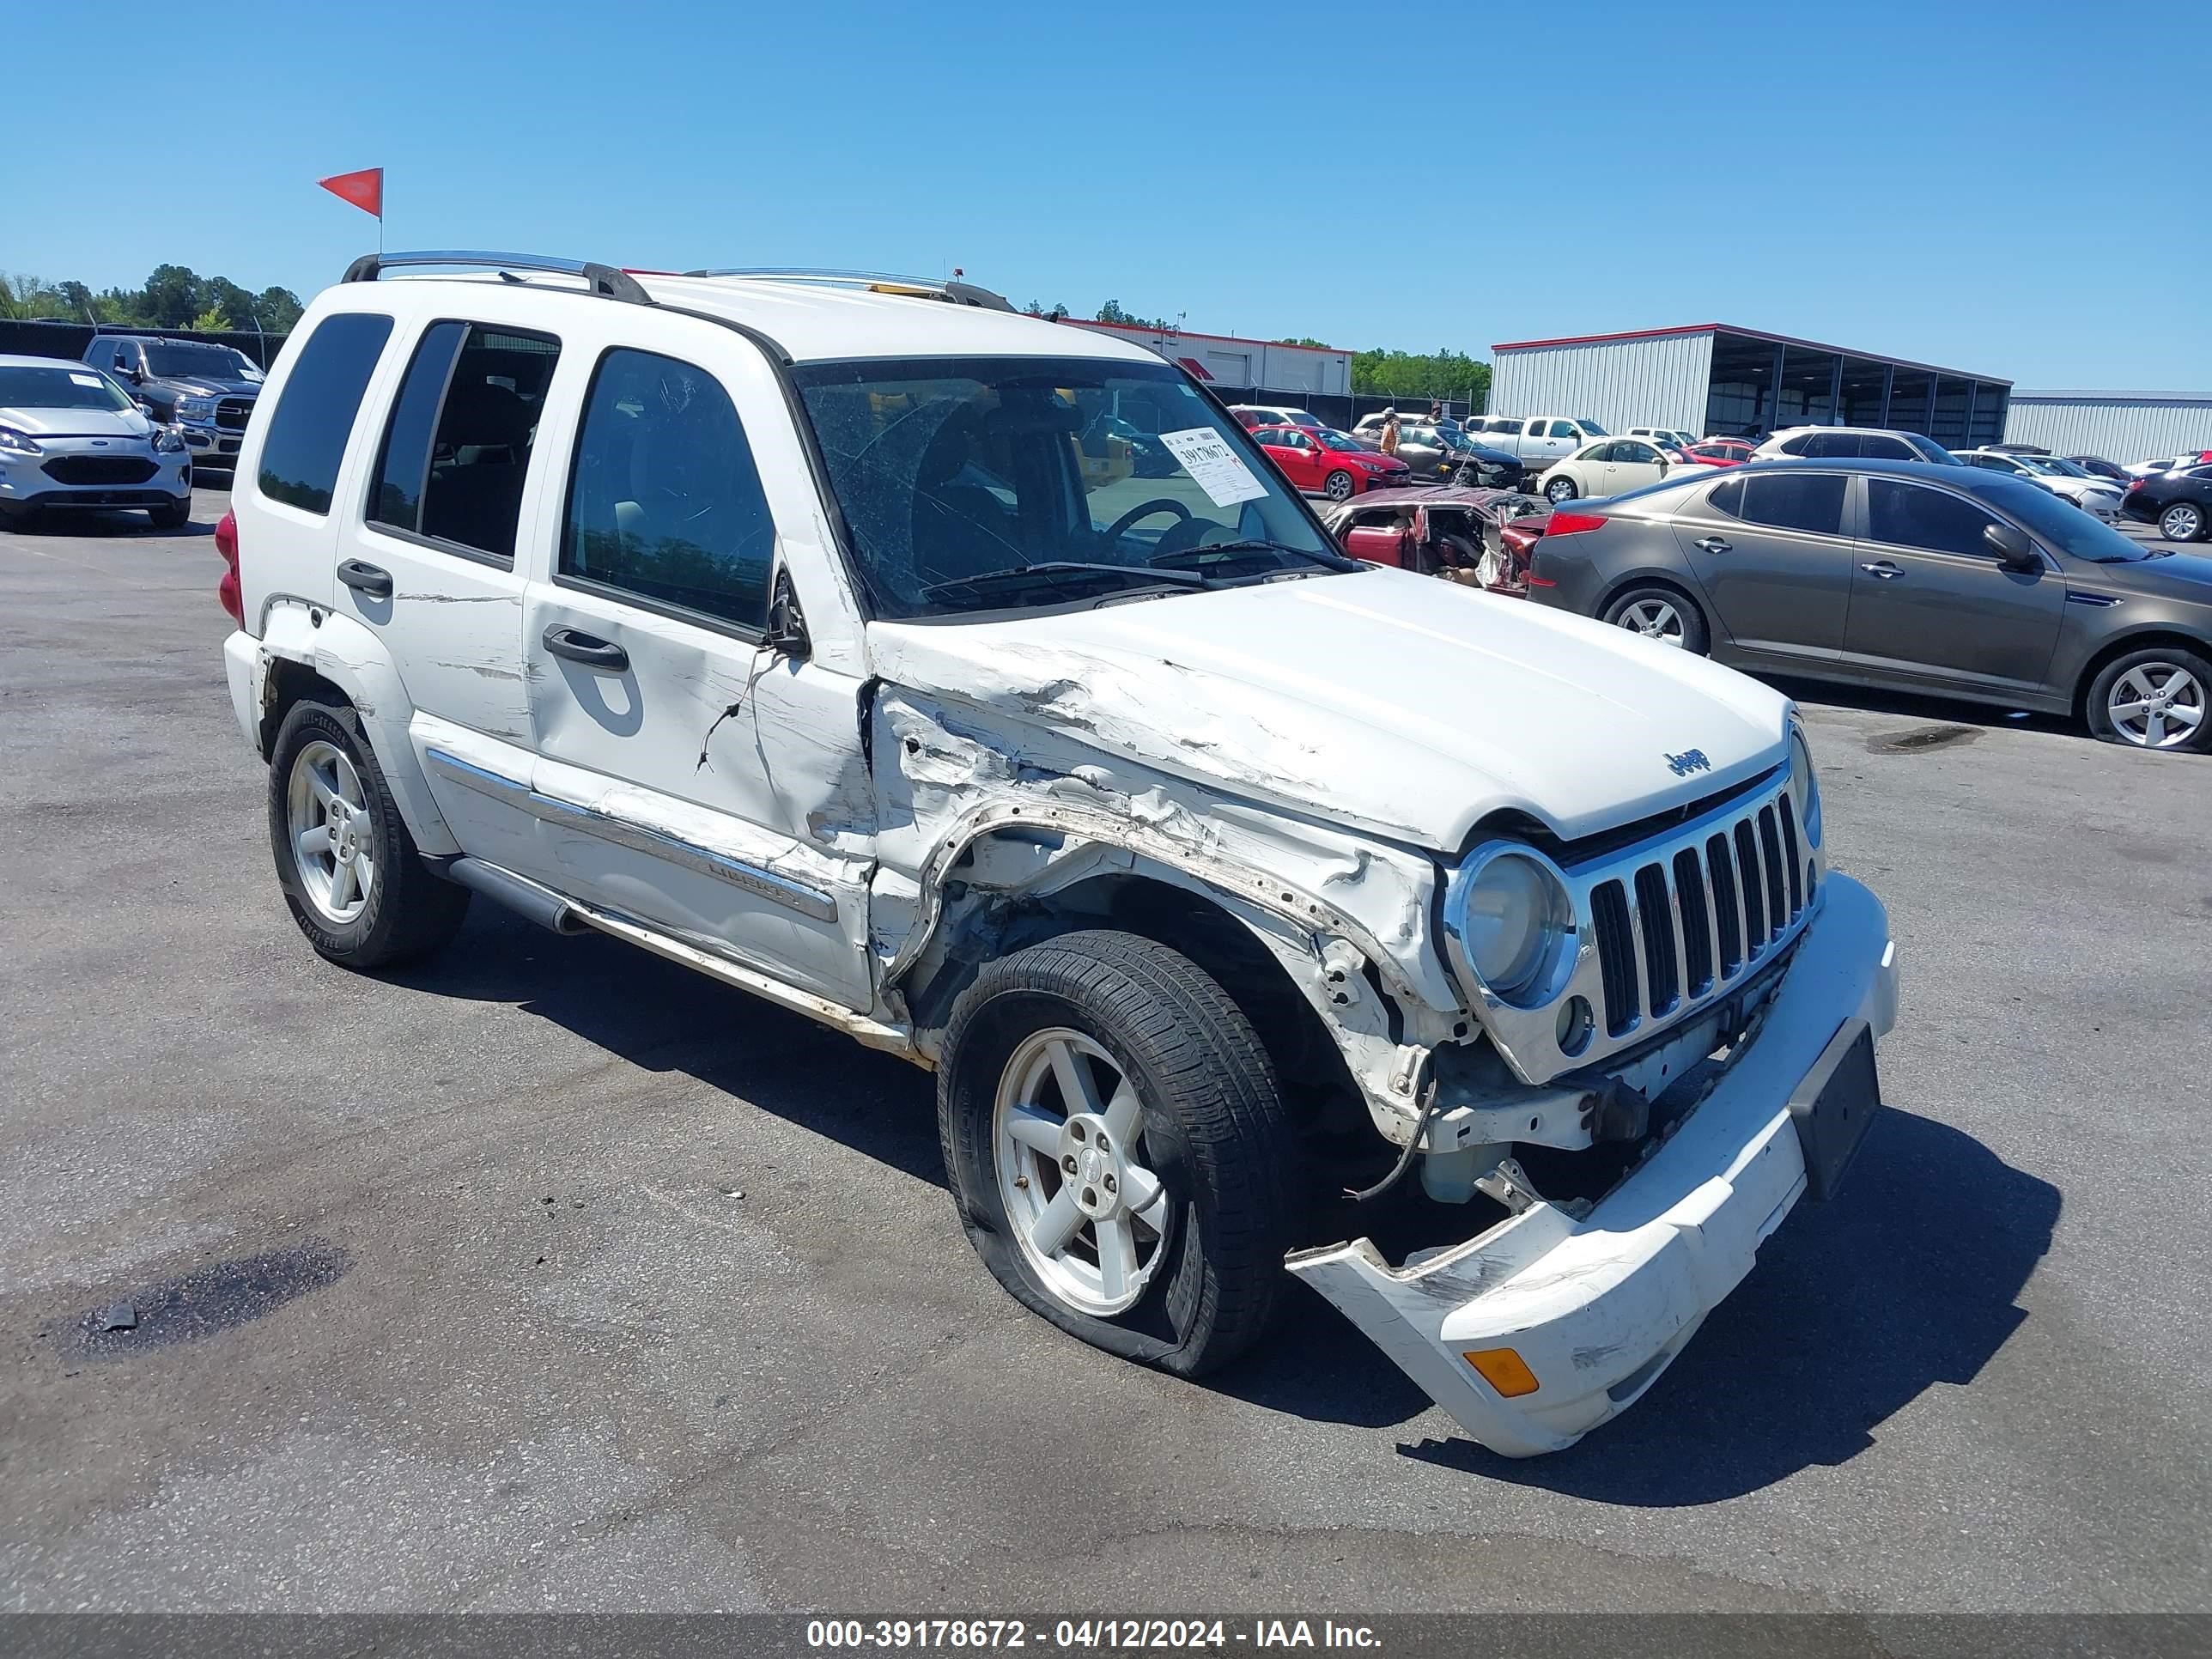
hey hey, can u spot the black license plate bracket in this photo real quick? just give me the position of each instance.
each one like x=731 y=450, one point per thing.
x=1834 y=1105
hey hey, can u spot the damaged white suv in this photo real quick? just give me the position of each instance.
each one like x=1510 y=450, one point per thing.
x=973 y=685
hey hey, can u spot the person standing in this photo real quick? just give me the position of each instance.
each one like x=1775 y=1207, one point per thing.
x=1390 y=438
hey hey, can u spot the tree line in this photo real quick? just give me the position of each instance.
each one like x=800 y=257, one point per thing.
x=174 y=296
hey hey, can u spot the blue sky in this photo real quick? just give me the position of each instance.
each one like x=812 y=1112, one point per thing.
x=2005 y=189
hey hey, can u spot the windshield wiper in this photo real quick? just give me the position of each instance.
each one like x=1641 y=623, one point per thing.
x=1244 y=549
x=1053 y=573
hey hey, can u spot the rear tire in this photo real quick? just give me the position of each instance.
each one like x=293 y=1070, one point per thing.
x=1560 y=489
x=1186 y=1160
x=2183 y=521
x=1662 y=614
x=351 y=874
x=2158 y=698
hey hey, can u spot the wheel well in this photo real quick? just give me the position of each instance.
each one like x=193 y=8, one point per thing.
x=291 y=682
x=2121 y=648
x=1307 y=1063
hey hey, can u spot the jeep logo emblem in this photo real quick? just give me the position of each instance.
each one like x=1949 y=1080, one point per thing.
x=1689 y=761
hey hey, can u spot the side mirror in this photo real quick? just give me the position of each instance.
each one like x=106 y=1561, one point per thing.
x=133 y=373
x=2014 y=550
x=787 y=626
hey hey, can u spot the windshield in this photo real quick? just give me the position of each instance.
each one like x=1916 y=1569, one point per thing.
x=2054 y=466
x=1591 y=428
x=2059 y=521
x=957 y=476
x=193 y=359
x=60 y=387
x=1335 y=439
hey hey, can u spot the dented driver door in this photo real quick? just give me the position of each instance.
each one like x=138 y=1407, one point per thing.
x=687 y=776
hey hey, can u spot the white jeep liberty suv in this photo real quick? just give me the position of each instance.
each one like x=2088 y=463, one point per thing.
x=819 y=632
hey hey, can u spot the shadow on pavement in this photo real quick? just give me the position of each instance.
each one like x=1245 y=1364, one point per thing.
x=1911 y=706
x=665 y=1017
x=110 y=524
x=1856 y=1307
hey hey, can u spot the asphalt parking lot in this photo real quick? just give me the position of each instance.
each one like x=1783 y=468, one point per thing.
x=551 y=1276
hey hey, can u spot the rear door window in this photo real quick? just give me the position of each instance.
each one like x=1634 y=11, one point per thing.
x=1913 y=515
x=307 y=434
x=1812 y=502
x=457 y=449
x=665 y=503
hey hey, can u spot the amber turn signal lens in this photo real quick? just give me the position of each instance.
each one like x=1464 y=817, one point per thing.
x=1504 y=1371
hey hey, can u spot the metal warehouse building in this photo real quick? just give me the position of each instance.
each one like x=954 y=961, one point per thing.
x=1714 y=378
x=1237 y=367
x=2121 y=426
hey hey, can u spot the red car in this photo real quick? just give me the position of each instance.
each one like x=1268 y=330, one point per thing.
x=1723 y=452
x=1328 y=462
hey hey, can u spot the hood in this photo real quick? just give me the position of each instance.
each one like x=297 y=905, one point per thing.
x=1410 y=706
x=78 y=422
x=2174 y=575
x=201 y=386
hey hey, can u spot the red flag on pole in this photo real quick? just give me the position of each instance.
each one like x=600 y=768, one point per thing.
x=365 y=189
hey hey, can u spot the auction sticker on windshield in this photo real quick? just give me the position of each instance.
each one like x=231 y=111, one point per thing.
x=92 y=381
x=1213 y=466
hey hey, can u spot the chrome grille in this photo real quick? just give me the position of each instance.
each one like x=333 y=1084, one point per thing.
x=1665 y=927
x=1725 y=901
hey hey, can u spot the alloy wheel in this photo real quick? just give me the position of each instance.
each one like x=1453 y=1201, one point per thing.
x=1654 y=619
x=333 y=833
x=2157 y=705
x=2181 y=524
x=1089 y=1215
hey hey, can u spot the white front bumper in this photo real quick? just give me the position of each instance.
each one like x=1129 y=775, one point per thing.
x=1598 y=1308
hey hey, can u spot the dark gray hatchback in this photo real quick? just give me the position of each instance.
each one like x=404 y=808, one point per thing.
x=1939 y=580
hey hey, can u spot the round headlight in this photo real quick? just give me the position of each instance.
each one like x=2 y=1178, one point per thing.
x=1804 y=786
x=1511 y=919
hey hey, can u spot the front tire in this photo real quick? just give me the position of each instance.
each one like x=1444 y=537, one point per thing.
x=14 y=517
x=1118 y=1148
x=1338 y=486
x=352 y=877
x=2182 y=521
x=1560 y=489
x=2159 y=697
x=171 y=515
x=1662 y=614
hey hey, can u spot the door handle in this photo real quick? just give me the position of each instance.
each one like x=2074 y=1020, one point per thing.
x=366 y=579
x=587 y=649
x=1710 y=544
x=1882 y=569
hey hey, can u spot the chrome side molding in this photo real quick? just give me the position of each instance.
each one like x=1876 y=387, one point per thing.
x=781 y=890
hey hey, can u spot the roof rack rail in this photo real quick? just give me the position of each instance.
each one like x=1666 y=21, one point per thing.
x=600 y=279
x=880 y=281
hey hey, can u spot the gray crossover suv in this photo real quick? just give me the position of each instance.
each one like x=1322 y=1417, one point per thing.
x=1942 y=580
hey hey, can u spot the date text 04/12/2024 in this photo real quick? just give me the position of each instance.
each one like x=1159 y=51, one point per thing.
x=1087 y=1635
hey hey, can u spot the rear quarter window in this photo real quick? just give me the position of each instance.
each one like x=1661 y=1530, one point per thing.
x=307 y=438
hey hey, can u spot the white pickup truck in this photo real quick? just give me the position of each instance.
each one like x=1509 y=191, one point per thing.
x=781 y=625
x=1537 y=439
